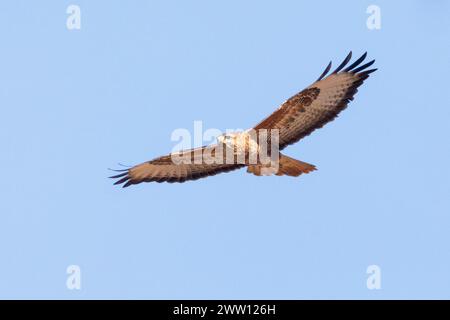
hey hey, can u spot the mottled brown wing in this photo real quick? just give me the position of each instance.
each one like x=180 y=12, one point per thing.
x=318 y=104
x=164 y=169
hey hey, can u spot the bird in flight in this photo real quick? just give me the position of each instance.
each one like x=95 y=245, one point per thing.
x=296 y=118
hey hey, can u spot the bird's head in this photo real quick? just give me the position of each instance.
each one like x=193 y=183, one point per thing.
x=227 y=138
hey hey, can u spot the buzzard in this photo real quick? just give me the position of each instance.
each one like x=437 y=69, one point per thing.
x=296 y=118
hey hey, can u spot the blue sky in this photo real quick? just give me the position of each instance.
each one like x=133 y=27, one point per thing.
x=75 y=102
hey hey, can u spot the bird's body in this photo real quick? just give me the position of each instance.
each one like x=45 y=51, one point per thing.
x=259 y=148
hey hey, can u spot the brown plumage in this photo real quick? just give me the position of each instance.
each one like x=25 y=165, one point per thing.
x=163 y=169
x=296 y=118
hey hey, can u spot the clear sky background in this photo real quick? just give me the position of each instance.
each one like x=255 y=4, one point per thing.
x=75 y=102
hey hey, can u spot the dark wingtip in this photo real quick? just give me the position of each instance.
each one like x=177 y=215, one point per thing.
x=119 y=175
x=122 y=180
x=364 y=66
x=344 y=63
x=123 y=175
x=369 y=71
x=324 y=73
x=129 y=183
x=356 y=63
x=117 y=170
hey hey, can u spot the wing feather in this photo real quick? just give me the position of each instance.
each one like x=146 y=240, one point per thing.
x=319 y=103
x=164 y=169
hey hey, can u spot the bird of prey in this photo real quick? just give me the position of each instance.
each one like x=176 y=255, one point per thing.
x=296 y=118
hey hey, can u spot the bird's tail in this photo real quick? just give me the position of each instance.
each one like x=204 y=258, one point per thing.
x=285 y=166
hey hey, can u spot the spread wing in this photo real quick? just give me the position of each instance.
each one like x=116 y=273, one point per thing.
x=318 y=104
x=165 y=169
